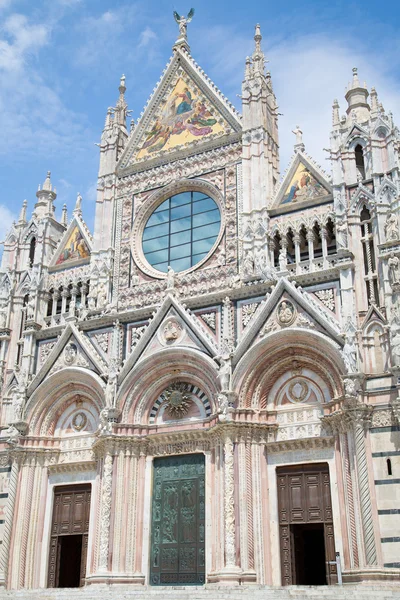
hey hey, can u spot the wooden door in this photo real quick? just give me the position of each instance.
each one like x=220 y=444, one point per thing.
x=178 y=521
x=304 y=497
x=71 y=513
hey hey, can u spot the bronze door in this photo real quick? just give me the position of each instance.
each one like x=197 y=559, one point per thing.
x=69 y=536
x=305 y=525
x=178 y=521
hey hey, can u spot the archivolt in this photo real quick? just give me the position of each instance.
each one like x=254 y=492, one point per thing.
x=56 y=393
x=153 y=375
x=280 y=352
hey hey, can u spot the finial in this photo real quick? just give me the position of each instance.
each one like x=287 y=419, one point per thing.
x=299 y=145
x=64 y=216
x=335 y=113
x=374 y=101
x=258 y=38
x=356 y=82
x=183 y=23
x=78 y=205
x=122 y=86
x=132 y=124
x=108 y=118
x=247 y=70
x=22 y=216
x=259 y=60
x=47 y=184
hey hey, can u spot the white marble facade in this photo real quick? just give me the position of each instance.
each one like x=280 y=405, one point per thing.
x=275 y=342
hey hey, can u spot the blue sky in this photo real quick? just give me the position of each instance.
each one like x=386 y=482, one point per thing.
x=61 y=61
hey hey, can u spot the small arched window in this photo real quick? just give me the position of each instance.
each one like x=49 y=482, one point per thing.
x=360 y=165
x=32 y=248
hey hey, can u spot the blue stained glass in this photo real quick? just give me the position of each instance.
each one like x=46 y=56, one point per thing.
x=181 y=231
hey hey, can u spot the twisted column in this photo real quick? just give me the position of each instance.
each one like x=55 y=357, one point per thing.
x=8 y=524
x=106 y=496
x=360 y=418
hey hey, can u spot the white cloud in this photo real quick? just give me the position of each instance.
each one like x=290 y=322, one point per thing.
x=23 y=40
x=146 y=37
x=6 y=220
x=5 y=4
x=36 y=119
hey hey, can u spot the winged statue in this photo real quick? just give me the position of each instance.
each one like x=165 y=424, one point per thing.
x=183 y=21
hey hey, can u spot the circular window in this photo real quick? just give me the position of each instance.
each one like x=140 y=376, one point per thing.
x=181 y=231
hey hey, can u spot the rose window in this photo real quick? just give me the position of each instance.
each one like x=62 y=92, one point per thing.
x=181 y=231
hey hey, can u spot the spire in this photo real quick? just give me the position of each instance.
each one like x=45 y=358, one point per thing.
x=46 y=195
x=64 y=216
x=374 y=102
x=357 y=99
x=258 y=55
x=22 y=215
x=335 y=114
x=121 y=108
x=248 y=70
x=78 y=206
x=299 y=145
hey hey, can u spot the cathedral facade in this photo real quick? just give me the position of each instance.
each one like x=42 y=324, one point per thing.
x=205 y=389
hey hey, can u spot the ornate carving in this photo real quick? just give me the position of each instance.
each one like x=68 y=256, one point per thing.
x=286 y=313
x=177 y=400
x=106 y=496
x=298 y=390
x=171 y=331
x=79 y=421
x=327 y=298
x=209 y=319
x=248 y=311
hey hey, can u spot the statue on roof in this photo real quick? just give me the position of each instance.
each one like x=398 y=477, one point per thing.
x=183 y=21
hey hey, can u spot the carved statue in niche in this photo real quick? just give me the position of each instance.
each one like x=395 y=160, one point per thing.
x=391 y=227
x=394 y=269
x=248 y=264
x=341 y=234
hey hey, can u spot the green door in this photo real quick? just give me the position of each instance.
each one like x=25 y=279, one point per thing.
x=178 y=521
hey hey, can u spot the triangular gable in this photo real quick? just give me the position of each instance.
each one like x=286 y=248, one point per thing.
x=303 y=182
x=314 y=315
x=30 y=231
x=73 y=349
x=74 y=247
x=357 y=131
x=185 y=109
x=361 y=196
x=189 y=331
x=373 y=314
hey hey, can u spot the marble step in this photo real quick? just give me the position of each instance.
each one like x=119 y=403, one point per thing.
x=123 y=592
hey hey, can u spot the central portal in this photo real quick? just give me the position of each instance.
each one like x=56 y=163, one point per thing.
x=178 y=521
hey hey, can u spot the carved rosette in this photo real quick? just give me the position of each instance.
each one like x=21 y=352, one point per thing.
x=177 y=400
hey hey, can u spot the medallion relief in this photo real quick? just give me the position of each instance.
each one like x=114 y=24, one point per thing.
x=286 y=313
x=171 y=332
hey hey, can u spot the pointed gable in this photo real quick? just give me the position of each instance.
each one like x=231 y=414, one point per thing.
x=172 y=326
x=299 y=310
x=303 y=182
x=72 y=349
x=74 y=247
x=185 y=110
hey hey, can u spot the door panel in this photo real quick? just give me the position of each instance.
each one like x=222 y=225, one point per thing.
x=178 y=521
x=71 y=513
x=304 y=497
